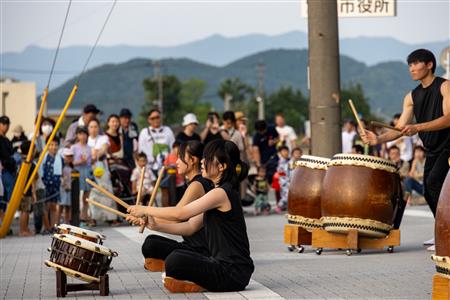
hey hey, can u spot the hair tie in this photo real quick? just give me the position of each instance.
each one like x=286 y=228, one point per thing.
x=238 y=169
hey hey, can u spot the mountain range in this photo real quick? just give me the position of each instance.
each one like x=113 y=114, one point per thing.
x=33 y=63
x=113 y=86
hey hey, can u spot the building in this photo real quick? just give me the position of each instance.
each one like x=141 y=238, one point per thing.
x=18 y=102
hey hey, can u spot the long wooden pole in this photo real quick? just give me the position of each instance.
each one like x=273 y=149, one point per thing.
x=51 y=137
x=107 y=193
x=355 y=113
x=380 y=124
x=18 y=192
x=153 y=197
x=107 y=208
x=140 y=185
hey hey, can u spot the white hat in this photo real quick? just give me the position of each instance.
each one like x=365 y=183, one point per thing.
x=67 y=152
x=189 y=119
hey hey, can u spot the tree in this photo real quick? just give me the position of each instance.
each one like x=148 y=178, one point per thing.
x=291 y=103
x=361 y=102
x=238 y=90
x=171 y=99
x=191 y=92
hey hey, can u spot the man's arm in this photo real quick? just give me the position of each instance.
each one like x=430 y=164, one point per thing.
x=436 y=124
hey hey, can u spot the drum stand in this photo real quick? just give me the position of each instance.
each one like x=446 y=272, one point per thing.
x=351 y=241
x=441 y=288
x=295 y=236
x=62 y=287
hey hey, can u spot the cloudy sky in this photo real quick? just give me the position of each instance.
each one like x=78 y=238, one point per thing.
x=162 y=23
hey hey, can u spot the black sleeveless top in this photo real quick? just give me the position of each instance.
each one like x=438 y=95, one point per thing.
x=197 y=241
x=427 y=107
x=227 y=238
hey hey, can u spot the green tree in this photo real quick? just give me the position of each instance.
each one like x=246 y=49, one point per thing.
x=291 y=103
x=171 y=99
x=361 y=102
x=191 y=92
x=240 y=92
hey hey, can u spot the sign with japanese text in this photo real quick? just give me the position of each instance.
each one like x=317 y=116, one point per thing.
x=360 y=8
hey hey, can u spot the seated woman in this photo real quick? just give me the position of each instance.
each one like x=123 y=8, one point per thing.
x=228 y=266
x=156 y=248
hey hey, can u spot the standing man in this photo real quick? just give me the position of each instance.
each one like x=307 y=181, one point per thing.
x=130 y=133
x=7 y=162
x=429 y=103
x=348 y=134
x=286 y=132
x=90 y=112
x=156 y=141
x=264 y=148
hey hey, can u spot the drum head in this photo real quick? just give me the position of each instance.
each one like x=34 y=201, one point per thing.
x=71 y=272
x=81 y=231
x=313 y=162
x=360 y=160
x=85 y=244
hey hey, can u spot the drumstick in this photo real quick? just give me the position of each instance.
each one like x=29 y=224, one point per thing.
x=379 y=124
x=355 y=113
x=111 y=210
x=107 y=193
x=152 y=198
x=140 y=185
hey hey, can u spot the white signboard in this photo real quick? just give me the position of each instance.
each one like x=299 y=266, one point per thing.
x=359 y=8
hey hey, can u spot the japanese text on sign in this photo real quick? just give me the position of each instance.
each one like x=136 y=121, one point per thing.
x=360 y=8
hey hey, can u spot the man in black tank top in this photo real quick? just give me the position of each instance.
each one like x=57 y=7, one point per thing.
x=429 y=104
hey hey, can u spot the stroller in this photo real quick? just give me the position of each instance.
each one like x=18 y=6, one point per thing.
x=120 y=179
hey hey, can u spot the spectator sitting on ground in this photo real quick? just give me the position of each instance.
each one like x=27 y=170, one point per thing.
x=402 y=166
x=414 y=182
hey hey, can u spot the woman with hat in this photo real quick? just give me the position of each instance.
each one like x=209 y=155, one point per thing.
x=189 y=124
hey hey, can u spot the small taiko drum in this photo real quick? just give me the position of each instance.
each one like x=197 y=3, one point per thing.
x=304 y=192
x=79 y=258
x=442 y=231
x=81 y=232
x=360 y=192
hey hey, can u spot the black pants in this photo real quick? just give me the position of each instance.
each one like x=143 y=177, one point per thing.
x=185 y=264
x=435 y=170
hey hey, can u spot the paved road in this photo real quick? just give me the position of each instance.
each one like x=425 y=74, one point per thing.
x=404 y=274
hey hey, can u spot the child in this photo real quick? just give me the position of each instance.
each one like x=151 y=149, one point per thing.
x=28 y=198
x=82 y=163
x=65 y=200
x=51 y=171
x=147 y=186
x=296 y=154
x=170 y=164
x=283 y=177
x=262 y=189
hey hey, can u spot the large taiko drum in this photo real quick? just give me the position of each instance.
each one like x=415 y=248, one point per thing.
x=86 y=234
x=79 y=258
x=304 y=192
x=442 y=231
x=360 y=192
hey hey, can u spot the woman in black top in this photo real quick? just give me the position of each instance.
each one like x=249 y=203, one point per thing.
x=156 y=248
x=229 y=266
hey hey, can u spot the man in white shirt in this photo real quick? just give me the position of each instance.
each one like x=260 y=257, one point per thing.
x=286 y=132
x=348 y=133
x=156 y=140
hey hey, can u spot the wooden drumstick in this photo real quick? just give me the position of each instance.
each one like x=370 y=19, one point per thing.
x=355 y=113
x=107 y=193
x=107 y=208
x=379 y=124
x=153 y=197
x=140 y=185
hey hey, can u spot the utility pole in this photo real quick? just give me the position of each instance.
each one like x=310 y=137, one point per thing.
x=324 y=107
x=227 y=102
x=159 y=80
x=4 y=96
x=260 y=97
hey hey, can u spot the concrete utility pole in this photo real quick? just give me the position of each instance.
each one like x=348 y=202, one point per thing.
x=260 y=98
x=4 y=96
x=324 y=109
x=158 y=77
x=227 y=102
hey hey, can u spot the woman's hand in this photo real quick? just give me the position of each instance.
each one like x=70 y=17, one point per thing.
x=151 y=223
x=138 y=211
x=135 y=221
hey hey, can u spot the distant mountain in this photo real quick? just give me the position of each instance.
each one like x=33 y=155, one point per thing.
x=115 y=86
x=33 y=63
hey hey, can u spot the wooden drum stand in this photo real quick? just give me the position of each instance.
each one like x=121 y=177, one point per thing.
x=62 y=287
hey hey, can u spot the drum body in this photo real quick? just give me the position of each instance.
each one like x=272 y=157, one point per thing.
x=89 y=235
x=360 y=192
x=79 y=258
x=304 y=192
x=442 y=231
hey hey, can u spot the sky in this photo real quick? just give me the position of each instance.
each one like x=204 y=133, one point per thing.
x=165 y=23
